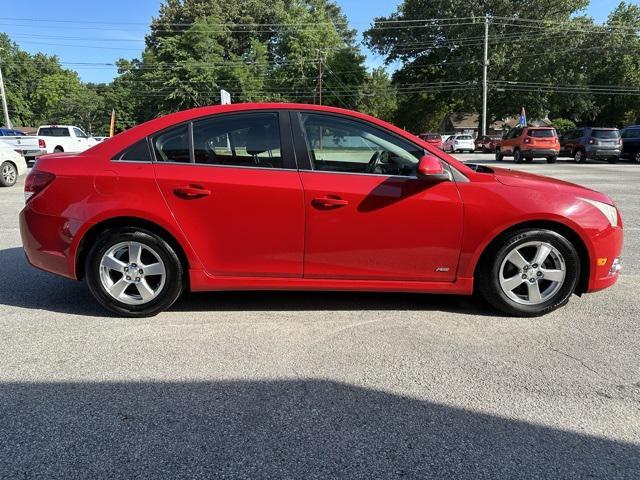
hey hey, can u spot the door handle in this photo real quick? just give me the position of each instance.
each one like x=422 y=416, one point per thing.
x=191 y=192
x=329 y=201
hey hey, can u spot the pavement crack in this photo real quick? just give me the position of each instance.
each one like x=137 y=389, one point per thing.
x=581 y=362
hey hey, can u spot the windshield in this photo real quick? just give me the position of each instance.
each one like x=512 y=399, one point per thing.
x=605 y=133
x=543 y=132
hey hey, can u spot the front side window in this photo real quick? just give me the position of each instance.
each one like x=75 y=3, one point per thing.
x=341 y=145
x=248 y=139
x=172 y=145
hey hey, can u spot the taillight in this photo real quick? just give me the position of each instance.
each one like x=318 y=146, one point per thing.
x=527 y=140
x=36 y=182
x=42 y=143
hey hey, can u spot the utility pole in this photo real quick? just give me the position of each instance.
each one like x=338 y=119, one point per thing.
x=7 y=121
x=485 y=64
x=320 y=74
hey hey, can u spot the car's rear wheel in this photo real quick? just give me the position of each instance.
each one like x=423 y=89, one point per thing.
x=499 y=156
x=8 y=174
x=552 y=159
x=58 y=150
x=578 y=156
x=636 y=157
x=133 y=272
x=529 y=272
x=517 y=156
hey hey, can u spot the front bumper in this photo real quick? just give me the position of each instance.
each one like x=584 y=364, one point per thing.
x=605 y=262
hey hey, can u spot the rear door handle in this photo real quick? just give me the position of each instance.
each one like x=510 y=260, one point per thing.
x=191 y=192
x=329 y=201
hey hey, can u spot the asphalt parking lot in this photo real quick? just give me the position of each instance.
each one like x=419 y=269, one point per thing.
x=321 y=385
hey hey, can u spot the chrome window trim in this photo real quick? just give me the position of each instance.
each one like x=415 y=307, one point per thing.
x=271 y=169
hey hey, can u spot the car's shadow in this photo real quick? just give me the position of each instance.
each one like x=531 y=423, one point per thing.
x=306 y=428
x=24 y=286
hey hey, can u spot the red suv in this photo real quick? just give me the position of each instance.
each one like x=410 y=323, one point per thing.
x=434 y=139
x=305 y=197
x=527 y=143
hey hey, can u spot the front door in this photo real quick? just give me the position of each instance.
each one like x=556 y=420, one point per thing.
x=367 y=214
x=235 y=192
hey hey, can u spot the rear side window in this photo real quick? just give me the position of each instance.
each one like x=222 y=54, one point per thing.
x=605 y=133
x=138 y=152
x=248 y=139
x=172 y=145
x=542 y=133
x=54 y=132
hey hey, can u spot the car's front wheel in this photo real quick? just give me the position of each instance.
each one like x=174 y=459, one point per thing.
x=529 y=272
x=134 y=272
x=8 y=174
x=499 y=155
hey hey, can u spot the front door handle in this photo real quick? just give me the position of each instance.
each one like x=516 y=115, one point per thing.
x=329 y=201
x=191 y=192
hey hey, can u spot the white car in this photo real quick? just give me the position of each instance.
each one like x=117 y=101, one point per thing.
x=459 y=143
x=12 y=165
x=51 y=139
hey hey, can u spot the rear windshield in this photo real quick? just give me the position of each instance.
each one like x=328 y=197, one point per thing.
x=54 y=132
x=605 y=133
x=463 y=137
x=545 y=132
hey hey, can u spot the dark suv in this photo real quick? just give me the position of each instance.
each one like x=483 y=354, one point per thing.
x=631 y=143
x=590 y=143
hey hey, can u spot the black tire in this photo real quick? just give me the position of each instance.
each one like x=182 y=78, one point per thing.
x=636 y=157
x=552 y=159
x=499 y=155
x=488 y=282
x=517 y=156
x=8 y=174
x=58 y=150
x=175 y=273
x=579 y=156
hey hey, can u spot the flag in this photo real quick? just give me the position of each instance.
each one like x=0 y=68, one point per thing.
x=523 y=118
x=112 y=125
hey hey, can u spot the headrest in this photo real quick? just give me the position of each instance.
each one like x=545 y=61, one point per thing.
x=261 y=138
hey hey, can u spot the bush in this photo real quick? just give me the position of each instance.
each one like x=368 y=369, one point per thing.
x=562 y=125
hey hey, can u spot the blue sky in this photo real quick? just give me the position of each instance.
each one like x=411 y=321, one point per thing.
x=120 y=26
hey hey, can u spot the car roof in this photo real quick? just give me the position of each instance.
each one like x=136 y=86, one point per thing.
x=128 y=137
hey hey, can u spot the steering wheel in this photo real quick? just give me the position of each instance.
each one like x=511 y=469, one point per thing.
x=373 y=163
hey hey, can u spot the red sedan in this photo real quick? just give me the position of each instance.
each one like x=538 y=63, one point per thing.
x=434 y=139
x=287 y=196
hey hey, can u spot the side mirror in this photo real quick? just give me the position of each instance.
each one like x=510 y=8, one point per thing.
x=430 y=168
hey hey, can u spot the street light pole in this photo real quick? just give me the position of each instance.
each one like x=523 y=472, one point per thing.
x=7 y=121
x=485 y=64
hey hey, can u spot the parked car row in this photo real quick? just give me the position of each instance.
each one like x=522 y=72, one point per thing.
x=526 y=143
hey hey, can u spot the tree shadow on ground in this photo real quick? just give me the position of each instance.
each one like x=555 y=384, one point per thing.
x=279 y=429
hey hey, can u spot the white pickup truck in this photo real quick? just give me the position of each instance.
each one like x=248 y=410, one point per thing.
x=51 y=139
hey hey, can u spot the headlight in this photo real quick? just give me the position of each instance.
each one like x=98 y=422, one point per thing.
x=607 y=210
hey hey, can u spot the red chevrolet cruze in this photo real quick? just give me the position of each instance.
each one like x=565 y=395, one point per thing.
x=287 y=196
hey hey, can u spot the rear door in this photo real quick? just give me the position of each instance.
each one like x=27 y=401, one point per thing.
x=232 y=184
x=367 y=214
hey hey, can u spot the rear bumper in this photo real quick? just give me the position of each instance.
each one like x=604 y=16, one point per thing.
x=540 y=152
x=32 y=155
x=607 y=247
x=594 y=153
x=47 y=241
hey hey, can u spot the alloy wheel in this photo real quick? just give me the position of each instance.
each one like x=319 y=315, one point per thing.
x=9 y=174
x=532 y=273
x=132 y=273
